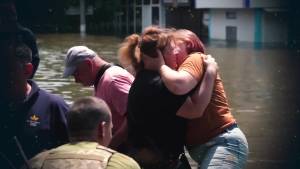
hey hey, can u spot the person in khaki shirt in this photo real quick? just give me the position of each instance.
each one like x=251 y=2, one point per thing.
x=90 y=133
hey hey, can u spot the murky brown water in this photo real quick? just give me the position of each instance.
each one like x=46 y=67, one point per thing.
x=262 y=87
x=52 y=49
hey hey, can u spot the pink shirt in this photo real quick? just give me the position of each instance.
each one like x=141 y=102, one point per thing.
x=113 y=87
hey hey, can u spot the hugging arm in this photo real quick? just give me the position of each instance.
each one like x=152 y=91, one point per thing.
x=177 y=81
x=186 y=81
x=196 y=104
x=182 y=81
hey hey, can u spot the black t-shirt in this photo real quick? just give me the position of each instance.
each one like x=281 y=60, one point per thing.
x=152 y=119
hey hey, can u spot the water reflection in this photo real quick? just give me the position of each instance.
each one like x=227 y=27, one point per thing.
x=52 y=49
x=262 y=87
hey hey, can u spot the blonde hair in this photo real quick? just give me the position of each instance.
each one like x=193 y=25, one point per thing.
x=131 y=49
x=151 y=39
x=129 y=52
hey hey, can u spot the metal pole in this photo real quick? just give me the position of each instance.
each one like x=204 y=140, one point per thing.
x=127 y=17
x=82 y=18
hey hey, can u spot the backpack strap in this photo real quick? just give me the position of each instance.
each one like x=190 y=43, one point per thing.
x=101 y=72
x=106 y=149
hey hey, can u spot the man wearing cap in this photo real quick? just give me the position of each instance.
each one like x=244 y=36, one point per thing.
x=111 y=83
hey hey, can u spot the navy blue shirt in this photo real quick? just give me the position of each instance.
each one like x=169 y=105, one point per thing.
x=38 y=123
x=152 y=120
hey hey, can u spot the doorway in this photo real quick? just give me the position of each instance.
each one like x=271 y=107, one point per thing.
x=231 y=33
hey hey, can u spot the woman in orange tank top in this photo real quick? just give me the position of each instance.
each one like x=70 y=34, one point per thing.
x=214 y=140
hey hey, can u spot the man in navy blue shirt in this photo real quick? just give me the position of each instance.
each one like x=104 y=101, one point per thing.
x=34 y=119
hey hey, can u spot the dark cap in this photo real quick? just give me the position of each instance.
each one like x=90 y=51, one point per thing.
x=8 y=12
x=8 y=17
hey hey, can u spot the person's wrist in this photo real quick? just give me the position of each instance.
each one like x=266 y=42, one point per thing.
x=211 y=69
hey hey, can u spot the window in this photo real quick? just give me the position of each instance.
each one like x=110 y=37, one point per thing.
x=155 y=16
x=138 y=15
x=155 y=1
x=231 y=15
x=231 y=33
x=138 y=2
x=146 y=2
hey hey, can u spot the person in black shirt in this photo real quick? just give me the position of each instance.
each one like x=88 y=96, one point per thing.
x=154 y=130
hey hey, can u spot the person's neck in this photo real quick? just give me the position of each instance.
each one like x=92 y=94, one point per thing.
x=102 y=63
x=28 y=89
x=98 y=64
x=83 y=138
x=19 y=98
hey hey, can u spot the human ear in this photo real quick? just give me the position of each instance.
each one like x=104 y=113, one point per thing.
x=88 y=65
x=28 y=69
x=106 y=137
x=87 y=62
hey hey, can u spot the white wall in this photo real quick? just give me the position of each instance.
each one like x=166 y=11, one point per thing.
x=219 y=4
x=244 y=22
x=239 y=3
x=162 y=16
x=146 y=16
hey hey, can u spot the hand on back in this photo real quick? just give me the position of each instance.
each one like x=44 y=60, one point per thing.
x=154 y=63
x=210 y=63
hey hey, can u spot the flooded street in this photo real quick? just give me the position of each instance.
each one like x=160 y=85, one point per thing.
x=263 y=90
x=262 y=86
x=52 y=49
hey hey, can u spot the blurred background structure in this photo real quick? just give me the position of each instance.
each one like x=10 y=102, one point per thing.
x=259 y=21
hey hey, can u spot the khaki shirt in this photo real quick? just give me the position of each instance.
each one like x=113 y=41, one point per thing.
x=82 y=155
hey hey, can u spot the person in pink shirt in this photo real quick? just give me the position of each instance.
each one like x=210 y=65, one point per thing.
x=111 y=83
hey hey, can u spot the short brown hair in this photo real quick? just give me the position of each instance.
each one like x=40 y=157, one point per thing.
x=85 y=115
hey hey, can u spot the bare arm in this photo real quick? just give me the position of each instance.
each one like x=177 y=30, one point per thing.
x=178 y=82
x=120 y=136
x=196 y=104
x=181 y=82
x=119 y=87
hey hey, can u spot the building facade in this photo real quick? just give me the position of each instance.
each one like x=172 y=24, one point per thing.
x=164 y=13
x=260 y=21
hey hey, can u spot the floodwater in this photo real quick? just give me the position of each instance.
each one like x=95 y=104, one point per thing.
x=261 y=82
